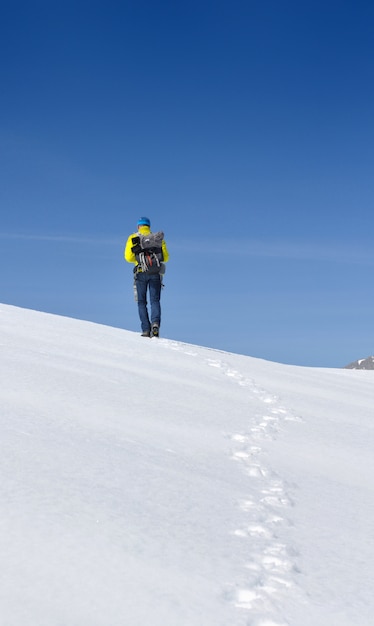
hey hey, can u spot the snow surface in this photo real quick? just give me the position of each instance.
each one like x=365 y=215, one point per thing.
x=155 y=483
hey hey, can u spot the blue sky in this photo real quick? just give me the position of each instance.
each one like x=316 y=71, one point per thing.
x=244 y=130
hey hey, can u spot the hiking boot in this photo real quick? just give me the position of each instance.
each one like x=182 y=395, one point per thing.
x=155 y=330
x=146 y=333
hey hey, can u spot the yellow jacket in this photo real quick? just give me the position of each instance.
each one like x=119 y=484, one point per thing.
x=130 y=256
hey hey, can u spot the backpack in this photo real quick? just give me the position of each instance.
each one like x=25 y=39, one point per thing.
x=148 y=252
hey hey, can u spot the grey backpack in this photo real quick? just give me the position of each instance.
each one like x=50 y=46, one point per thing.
x=148 y=252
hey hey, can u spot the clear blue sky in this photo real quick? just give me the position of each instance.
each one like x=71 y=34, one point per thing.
x=244 y=130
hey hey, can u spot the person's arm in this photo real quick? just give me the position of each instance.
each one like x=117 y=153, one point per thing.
x=128 y=254
x=165 y=252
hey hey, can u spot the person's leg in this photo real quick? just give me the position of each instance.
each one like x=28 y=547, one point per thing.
x=155 y=294
x=141 y=287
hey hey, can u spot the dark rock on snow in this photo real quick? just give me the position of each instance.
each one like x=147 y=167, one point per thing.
x=362 y=364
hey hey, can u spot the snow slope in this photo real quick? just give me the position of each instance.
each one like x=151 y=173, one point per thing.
x=154 y=483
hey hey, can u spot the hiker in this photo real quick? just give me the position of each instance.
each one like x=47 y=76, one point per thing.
x=148 y=252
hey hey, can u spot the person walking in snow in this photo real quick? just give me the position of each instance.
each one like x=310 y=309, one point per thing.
x=148 y=252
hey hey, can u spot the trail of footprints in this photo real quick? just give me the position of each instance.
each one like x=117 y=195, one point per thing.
x=271 y=564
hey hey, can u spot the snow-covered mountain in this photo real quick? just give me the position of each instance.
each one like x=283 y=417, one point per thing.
x=362 y=364
x=154 y=483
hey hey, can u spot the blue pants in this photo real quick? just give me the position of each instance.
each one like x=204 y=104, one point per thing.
x=153 y=283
